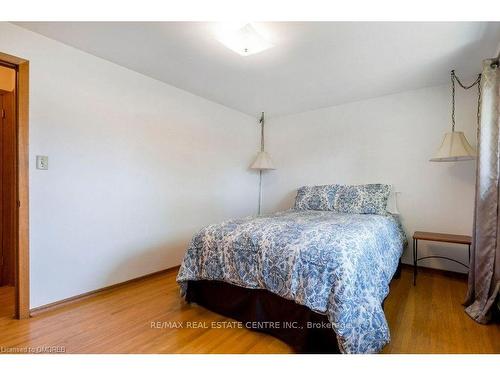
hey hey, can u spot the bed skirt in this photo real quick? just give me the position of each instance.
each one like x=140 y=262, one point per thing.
x=260 y=310
x=303 y=329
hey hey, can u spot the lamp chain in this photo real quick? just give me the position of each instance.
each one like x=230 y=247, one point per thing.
x=453 y=101
x=476 y=82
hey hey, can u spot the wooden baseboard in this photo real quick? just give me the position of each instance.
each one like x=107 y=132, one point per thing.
x=44 y=308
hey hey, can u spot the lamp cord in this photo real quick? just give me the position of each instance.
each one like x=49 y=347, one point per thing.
x=262 y=132
x=261 y=121
x=465 y=87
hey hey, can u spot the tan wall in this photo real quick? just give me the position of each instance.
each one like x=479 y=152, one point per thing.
x=7 y=79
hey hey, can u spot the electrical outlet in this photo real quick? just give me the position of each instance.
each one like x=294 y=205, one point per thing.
x=42 y=162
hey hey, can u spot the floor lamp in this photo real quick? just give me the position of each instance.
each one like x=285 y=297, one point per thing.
x=262 y=160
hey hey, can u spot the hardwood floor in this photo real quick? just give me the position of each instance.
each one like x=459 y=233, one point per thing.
x=430 y=318
x=427 y=318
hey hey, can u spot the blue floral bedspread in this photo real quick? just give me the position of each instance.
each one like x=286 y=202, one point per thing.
x=336 y=264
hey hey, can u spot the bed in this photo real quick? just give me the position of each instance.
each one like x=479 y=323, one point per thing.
x=320 y=275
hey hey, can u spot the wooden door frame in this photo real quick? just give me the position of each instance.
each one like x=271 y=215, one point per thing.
x=22 y=303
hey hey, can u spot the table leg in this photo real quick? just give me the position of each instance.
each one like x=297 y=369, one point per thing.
x=415 y=257
x=469 y=255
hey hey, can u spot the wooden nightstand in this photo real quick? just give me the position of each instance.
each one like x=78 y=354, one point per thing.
x=437 y=237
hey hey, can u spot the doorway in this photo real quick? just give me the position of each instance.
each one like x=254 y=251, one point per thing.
x=8 y=196
x=14 y=197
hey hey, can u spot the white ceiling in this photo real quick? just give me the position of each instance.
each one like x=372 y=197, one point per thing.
x=313 y=64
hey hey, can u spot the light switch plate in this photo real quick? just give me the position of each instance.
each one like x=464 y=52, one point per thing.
x=42 y=162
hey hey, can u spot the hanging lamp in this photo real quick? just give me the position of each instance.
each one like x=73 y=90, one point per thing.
x=262 y=161
x=455 y=146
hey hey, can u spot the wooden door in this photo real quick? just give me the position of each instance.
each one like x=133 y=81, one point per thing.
x=8 y=200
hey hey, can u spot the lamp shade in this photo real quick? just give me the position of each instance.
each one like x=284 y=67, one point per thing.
x=262 y=161
x=455 y=147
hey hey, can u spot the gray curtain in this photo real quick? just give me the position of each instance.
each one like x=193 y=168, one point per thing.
x=484 y=274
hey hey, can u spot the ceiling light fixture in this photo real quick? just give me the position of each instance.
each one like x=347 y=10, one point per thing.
x=244 y=40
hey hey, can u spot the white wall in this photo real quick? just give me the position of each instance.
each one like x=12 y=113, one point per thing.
x=135 y=167
x=389 y=140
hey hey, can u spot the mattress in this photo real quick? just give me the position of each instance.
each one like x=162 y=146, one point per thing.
x=336 y=264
